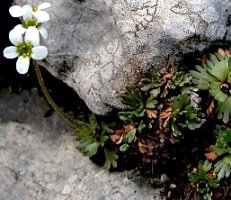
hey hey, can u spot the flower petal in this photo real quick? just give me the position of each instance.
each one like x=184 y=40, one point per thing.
x=32 y=35
x=22 y=64
x=20 y=29
x=41 y=16
x=39 y=53
x=10 y=52
x=43 y=32
x=16 y=11
x=15 y=37
x=44 y=6
x=27 y=12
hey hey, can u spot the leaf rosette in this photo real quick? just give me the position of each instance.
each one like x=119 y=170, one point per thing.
x=215 y=76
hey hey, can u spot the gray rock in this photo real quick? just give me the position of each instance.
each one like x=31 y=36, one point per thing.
x=39 y=160
x=100 y=47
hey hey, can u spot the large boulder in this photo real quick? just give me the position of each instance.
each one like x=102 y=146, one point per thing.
x=100 y=47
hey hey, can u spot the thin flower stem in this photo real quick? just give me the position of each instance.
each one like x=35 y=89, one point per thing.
x=70 y=121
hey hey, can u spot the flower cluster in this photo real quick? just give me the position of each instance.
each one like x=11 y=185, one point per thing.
x=26 y=36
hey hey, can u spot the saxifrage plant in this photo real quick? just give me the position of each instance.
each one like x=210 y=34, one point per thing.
x=215 y=76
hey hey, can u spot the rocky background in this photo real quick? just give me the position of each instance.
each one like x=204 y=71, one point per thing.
x=38 y=155
x=100 y=47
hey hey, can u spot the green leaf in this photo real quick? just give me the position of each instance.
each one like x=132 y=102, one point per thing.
x=214 y=183
x=180 y=101
x=194 y=177
x=146 y=88
x=200 y=79
x=135 y=106
x=89 y=148
x=126 y=99
x=220 y=69
x=136 y=95
x=93 y=122
x=124 y=147
x=181 y=78
x=206 y=167
x=214 y=59
x=151 y=103
x=110 y=159
x=219 y=56
x=107 y=127
x=215 y=91
x=91 y=135
x=131 y=135
x=154 y=93
x=223 y=167
x=223 y=139
x=225 y=109
x=229 y=78
x=141 y=126
x=207 y=196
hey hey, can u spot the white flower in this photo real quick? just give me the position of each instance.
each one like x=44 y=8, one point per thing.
x=25 y=49
x=30 y=11
x=41 y=15
x=21 y=30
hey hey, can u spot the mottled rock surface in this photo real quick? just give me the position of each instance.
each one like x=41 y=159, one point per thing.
x=99 y=47
x=39 y=160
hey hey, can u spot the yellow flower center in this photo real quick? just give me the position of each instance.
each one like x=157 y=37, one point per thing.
x=31 y=22
x=24 y=49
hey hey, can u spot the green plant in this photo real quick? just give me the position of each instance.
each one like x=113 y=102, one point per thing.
x=183 y=115
x=223 y=167
x=110 y=159
x=215 y=76
x=91 y=135
x=146 y=102
x=204 y=179
x=152 y=82
x=136 y=105
x=222 y=148
x=180 y=79
x=223 y=141
x=127 y=140
x=160 y=84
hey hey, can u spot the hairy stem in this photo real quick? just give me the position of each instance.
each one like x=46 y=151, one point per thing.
x=71 y=122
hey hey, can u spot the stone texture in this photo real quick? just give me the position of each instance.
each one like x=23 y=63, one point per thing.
x=99 y=47
x=39 y=160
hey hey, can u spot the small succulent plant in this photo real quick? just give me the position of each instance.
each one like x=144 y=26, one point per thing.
x=180 y=79
x=145 y=103
x=110 y=159
x=223 y=167
x=222 y=148
x=128 y=139
x=152 y=82
x=204 y=179
x=215 y=76
x=184 y=115
x=139 y=105
x=91 y=135
x=136 y=105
